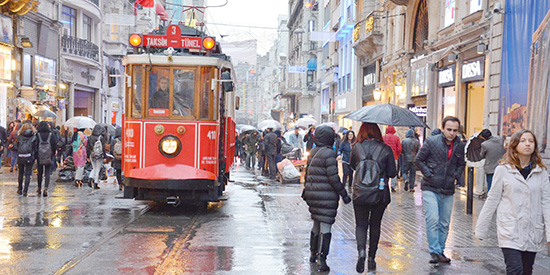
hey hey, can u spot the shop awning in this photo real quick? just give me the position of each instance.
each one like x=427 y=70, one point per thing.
x=312 y=64
x=160 y=11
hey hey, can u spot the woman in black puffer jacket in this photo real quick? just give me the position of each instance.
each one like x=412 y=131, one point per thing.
x=322 y=193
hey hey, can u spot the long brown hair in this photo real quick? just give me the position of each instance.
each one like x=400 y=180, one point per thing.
x=511 y=156
x=368 y=131
x=26 y=126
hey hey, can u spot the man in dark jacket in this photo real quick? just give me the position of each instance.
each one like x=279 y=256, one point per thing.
x=250 y=142
x=441 y=161
x=270 y=145
x=492 y=150
x=99 y=133
x=410 y=145
x=44 y=166
x=322 y=193
x=117 y=163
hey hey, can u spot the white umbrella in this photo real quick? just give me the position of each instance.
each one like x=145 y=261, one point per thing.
x=45 y=113
x=80 y=122
x=270 y=123
x=332 y=125
x=25 y=105
x=304 y=122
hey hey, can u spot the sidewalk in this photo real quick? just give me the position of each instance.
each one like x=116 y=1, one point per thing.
x=403 y=245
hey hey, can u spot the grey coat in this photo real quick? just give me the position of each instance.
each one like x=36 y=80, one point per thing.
x=410 y=145
x=439 y=171
x=492 y=151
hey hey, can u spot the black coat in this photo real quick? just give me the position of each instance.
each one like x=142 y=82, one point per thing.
x=96 y=133
x=439 y=171
x=323 y=187
x=43 y=132
x=270 y=143
x=385 y=160
x=117 y=164
x=27 y=134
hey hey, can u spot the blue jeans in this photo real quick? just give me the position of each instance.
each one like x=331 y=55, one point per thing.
x=437 y=208
x=409 y=173
x=489 y=181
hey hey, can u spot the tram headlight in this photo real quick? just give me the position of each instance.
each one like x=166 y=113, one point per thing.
x=170 y=146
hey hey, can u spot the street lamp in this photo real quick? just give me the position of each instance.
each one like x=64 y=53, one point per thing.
x=377 y=94
x=25 y=42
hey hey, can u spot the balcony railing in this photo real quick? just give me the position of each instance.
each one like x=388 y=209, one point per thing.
x=96 y=2
x=80 y=47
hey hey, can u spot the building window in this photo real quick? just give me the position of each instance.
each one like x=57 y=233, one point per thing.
x=449 y=12
x=114 y=32
x=475 y=5
x=421 y=27
x=68 y=18
x=87 y=27
x=44 y=69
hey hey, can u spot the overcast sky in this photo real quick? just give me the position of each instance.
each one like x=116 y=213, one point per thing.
x=258 y=13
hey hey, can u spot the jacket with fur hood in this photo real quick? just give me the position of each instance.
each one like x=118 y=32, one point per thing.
x=522 y=207
x=323 y=187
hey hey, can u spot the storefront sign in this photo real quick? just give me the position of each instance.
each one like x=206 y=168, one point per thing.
x=473 y=70
x=6 y=26
x=369 y=82
x=297 y=69
x=419 y=111
x=115 y=105
x=447 y=76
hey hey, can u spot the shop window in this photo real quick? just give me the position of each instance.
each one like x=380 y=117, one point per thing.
x=68 y=18
x=27 y=70
x=44 y=70
x=137 y=78
x=184 y=92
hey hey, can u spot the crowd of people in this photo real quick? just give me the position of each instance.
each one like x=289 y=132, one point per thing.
x=27 y=146
x=517 y=184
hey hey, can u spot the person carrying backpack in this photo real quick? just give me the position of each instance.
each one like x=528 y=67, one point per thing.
x=96 y=152
x=79 y=145
x=116 y=151
x=26 y=145
x=46 y=147
x=322 y=191
x=372 y=160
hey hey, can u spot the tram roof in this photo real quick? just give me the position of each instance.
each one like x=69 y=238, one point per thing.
x=182 y=60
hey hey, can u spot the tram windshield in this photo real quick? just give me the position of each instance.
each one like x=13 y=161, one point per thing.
x=171 y=92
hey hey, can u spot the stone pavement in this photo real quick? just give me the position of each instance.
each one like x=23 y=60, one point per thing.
x=403 y=245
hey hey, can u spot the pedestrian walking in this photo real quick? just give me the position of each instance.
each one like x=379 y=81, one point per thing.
x=26 y=145
x=368 y=214
x=251 y=143
x=80 y=143
x=270 y=145
x=46 y=147
x=96 y=153
x=297 y=141
x=441 y=161
x=344 y=152
x=322 y=191
x=410 y=146
x=521 y=198
x=395 y=144
x=492 y=150
x=309 y=138
x=116 y=151
x=12 y=145
x=3 y=141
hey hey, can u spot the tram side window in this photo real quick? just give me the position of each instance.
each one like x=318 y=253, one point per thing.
x=137 y=91
x=159 y=92
x=184 y=93
x=206 y=93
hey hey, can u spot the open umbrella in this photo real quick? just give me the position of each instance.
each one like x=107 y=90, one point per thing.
x=247 y=128
x=110 y=128
x=270 y=123
x=25 y=105
x=387 y=114
x=473 y=151
x=304 y=122
x=80 y=122
x=332 y=125
x=44 y=114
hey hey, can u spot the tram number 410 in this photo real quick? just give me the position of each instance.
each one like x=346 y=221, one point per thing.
x=211 y=134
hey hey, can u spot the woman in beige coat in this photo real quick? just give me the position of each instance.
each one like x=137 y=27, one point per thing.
x=521 y=197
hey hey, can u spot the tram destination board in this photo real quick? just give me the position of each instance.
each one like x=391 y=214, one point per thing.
x=172 y=39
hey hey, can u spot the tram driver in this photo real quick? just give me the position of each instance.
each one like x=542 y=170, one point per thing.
x=161 y=98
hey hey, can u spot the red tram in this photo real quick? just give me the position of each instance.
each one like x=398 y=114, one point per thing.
x=179 y=129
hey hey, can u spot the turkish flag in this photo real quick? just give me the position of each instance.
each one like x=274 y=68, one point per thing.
x=146 y=3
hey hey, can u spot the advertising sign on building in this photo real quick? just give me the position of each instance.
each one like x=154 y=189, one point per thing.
x=6 y=26
x=369 y=82
x=446 y=76
x=473 y=69
x=297 y=69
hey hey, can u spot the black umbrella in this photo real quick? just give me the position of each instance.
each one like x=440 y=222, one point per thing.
x=387 y=114
x=473 y=151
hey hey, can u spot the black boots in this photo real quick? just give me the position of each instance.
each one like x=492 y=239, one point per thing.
x=313 y=247
x=325 y=245
x=371 y=264
x=360 y=266
x=95 y=185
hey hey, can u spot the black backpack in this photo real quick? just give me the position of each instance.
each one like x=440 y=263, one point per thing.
x=44 y=150
x=367 y=177
x=24 y=148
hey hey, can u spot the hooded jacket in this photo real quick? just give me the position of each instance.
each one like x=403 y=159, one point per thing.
x=492 y=151
x=522 y=207
x=323 y=187
x=439 y=171
x=25 y=135
x=393 y=141
x=410 y=145
x=96 y=133
x=44 y=130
